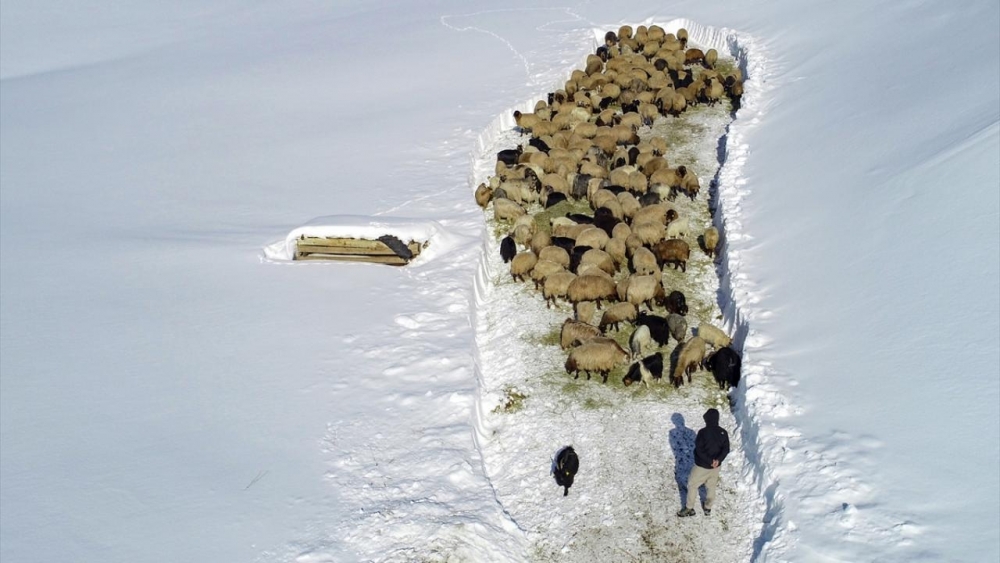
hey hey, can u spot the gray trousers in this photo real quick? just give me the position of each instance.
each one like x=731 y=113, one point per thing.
x=701 y=476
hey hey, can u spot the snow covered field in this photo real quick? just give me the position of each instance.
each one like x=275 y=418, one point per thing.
x=168 y=394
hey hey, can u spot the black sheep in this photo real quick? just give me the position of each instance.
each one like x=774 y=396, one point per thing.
x=576 y=255
x=649 y=198
x=653 y=364
x=725 y=367
x=566 y=465
x=564 y=243
x=658 y=328
x=580 y=183
x=539 y=144
x=633 y=154
x=508 y=249
x=509 y=156
x=554 y=198
x=676 y=303
x=605 y=220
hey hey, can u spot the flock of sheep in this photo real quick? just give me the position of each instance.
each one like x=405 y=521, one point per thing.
x=591 y=212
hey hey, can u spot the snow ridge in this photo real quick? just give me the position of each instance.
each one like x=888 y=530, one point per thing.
x=776 y=459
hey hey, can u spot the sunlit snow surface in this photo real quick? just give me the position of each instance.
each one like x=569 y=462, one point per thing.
x=167 y=395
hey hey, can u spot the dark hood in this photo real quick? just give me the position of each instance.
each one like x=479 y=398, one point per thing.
x=711 y=417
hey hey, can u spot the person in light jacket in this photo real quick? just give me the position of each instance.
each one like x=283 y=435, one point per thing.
x=710 y=449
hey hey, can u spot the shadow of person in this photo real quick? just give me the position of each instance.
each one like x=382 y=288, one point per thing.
x=682 y=443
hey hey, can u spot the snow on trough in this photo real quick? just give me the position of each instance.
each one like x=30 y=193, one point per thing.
x=354 y=226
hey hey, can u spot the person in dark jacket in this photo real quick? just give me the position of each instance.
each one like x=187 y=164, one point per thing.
x=710 y=448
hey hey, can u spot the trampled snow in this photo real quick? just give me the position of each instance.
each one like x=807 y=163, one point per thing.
x=166 y=395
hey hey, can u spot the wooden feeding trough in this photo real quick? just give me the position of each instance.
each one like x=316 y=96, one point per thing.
x=386 y=249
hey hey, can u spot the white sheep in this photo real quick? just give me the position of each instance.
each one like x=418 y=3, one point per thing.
x=640 y=341
x=678 y=228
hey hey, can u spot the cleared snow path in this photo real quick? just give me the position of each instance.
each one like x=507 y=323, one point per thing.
x=635 y=445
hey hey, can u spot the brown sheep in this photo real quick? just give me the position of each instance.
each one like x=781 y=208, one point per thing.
x=555 y=254
x=655 y=163
x=505 y=210
x=595 y=170
x=584 y=311
x=591 y=287
x=629 y=204
x=710 y=240
x=556 y=286
x=540 y=241
x=665 y=176
x=675 y=252
x=649 y=232
x=522 y=264
x=484 y=194
x=594 y=64
x=714 y=335
x=644 y=290
x=600 y=355
x=656 y=213
x=711 y=57
x=692 y=56
x=593 y=270
x=542 y=270
x=632 y=244
x=616 y=314
x=682 y=36
x=574 y=332
x=689 y=360
x=616 y=250
x=621 y=230
x=592 y=237
x=690 y=184
x=601 y=197
x=528 y=222
x=599 y=258
x=644 y=262
x=526 y=121
x=714 y=90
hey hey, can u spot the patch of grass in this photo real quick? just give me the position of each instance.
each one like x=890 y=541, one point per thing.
x=552 y=337
x=513 y=401
x=593 y=404
x=543 y=218
x=725 y=66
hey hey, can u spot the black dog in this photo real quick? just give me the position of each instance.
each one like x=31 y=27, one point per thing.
x=567 y=464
